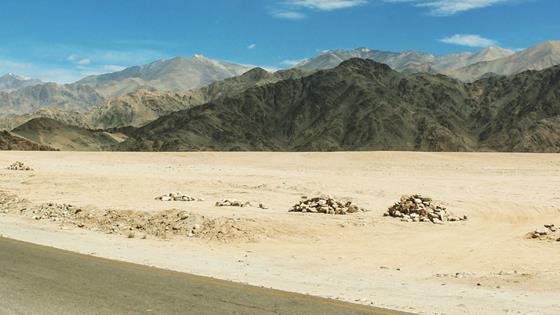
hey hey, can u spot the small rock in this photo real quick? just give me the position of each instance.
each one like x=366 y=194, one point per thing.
x=177 y=196
x=232 y=203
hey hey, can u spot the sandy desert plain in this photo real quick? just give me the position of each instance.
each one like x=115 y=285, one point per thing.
x=486 y=265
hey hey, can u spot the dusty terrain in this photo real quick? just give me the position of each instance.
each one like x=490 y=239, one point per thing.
x=485 y=265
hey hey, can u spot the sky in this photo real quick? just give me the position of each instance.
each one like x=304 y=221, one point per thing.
x=65 y=40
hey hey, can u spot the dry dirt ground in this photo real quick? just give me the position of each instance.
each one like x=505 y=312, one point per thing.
x=485 y=265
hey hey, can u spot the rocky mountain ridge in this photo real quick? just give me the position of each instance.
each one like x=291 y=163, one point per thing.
x=364 y=105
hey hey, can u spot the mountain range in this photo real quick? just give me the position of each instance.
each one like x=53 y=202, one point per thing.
x=143 y=106
x=200 y=104
x=359 y=105
x=409 y=62
x=180 y=75
x=466 y=66
x=11 y=82
x=174 y=75
x=534 y=58
x=364 y=105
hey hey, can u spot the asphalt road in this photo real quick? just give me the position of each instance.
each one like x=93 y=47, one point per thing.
x=41 y=280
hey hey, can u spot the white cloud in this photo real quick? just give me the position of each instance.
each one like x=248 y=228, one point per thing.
x=292 y=9
x=74 y=58
x=450 y=7
x=469 y=40
x=288 y=15
x=326 y=5
x=252 y=46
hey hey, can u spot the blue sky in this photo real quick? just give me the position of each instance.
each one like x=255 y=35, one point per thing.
x=64 y=40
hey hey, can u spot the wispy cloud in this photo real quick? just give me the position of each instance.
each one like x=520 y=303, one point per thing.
x=469 y=40
x=288 y=15
x=451 y=7
x=326 y=5
x=75 y=59
x=295 y=9
x=85 y=61
x=252 y=46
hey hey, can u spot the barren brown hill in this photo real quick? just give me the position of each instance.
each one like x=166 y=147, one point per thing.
x=65 y=137
x=10 y=142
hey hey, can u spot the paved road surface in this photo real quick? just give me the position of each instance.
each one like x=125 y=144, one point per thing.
x=42 y=280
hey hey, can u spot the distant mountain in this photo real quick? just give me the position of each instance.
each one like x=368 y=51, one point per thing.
x=397 y=61
x=364 y=105
x=406 y=62
x=175 y=75
x=459 y=60
x=32 y=98
x=61 y=136
x=10 y=142
x=143 y=106
x=9 y=122
x=465 y=66
x=535 y=58
x=11 y=82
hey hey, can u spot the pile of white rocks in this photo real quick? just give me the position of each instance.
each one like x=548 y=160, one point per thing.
x=416 y=208
x=233 y=203
x=326 y=205
x=549 y=232
x=177 y=196
x=52 y=211
x=19 y=166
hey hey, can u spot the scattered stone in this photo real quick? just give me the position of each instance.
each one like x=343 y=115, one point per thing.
x=457 y=275
x=19 y=166
x=233 y=203
x=51 y=211
x=417 y=208
x=262 y=206
x=162 y=224
x=549 y=232
x=326 y=205
x=178 y=197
